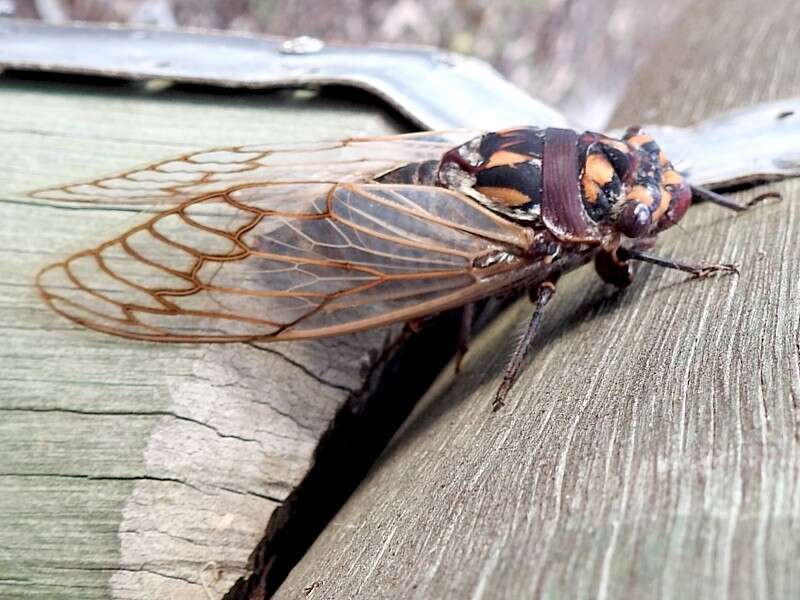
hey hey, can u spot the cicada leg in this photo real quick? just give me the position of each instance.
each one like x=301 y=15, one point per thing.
x=540 y=296
x=701 y=193
x=697 y=271
x=416 y=325
x=464 y=335
x=613 y=270
x=392 y=344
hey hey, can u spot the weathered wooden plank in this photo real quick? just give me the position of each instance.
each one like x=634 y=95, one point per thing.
x=139 y=470
x=651 y=447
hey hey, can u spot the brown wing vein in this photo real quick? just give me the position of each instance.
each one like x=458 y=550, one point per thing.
x=356 y=159
x=289 y=260
x=438 y=294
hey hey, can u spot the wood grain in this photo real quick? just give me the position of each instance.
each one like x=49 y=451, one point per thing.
x=137 y=470
x=651 y=448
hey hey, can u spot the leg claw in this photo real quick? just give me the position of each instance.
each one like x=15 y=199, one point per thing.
x=711 y=270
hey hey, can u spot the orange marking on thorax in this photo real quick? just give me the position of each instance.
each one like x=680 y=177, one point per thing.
x=503 y=158
x=671 y=177
x=597 y=173
x=590 y=189
x=599 y=169
x=504 y=195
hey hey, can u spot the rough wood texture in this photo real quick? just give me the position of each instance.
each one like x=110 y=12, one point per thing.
x=139 y=470
x=651 y=448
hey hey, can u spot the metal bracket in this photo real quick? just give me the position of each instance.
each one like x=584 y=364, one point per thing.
x=432 y=88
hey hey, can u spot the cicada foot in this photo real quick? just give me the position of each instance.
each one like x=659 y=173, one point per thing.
x=704 y=271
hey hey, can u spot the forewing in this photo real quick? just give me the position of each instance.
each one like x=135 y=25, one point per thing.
x=183 y=178
x=260 y=264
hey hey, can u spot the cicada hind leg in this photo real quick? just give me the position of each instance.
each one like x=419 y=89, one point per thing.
x=416 y=325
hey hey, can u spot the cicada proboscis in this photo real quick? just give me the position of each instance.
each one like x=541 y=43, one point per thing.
x=265 y=243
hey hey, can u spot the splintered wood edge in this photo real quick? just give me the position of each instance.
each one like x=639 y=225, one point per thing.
x=135 y=469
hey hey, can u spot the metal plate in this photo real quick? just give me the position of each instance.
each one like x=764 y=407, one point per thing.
x=434 y=89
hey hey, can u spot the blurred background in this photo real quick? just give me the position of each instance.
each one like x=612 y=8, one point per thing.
x=577 y=55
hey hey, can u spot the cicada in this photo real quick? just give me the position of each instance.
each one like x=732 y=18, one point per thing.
x=275 y=243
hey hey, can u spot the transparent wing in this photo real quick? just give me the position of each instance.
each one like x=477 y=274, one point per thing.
x=290 y=261
x=183 y=178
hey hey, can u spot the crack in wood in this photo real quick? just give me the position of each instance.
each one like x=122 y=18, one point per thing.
x=355 y=437
x=152 y=413
x=304 y=369
x=126 y=570
x=102 y=477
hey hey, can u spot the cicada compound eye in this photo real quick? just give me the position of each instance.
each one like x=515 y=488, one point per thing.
x=680 y=200
x=634 y=220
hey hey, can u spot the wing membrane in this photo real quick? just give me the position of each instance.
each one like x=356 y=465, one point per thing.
x=183 y=178
x=290 y=261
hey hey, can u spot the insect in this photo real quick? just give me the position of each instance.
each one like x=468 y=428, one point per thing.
x=266 y=243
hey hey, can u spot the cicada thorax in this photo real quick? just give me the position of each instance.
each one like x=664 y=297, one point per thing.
x=607 y=187
x=501 y=170
x=507 y=172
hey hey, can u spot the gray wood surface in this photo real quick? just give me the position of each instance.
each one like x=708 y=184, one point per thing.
x=139 y=470
x=651 y=448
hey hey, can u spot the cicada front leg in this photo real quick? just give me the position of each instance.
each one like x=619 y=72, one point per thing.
x=697 y=271
x=701 y=193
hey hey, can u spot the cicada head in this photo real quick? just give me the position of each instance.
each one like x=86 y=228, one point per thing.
x=631 y=185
